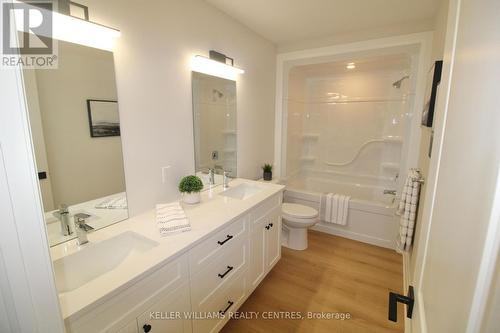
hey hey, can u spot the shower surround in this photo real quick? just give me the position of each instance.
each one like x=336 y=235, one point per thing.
x=347 y=133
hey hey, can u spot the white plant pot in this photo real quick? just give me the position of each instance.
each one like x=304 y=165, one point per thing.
x=191 y=198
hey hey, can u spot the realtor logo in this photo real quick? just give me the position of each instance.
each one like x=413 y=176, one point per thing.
x=33 y=46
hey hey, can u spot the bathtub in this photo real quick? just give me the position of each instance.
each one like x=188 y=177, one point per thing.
x=371 y=217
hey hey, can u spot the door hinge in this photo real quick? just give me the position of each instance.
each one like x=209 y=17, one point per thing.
x=393 y=304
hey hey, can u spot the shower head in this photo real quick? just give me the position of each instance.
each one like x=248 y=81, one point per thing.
x=217 y=94
x=397 y=84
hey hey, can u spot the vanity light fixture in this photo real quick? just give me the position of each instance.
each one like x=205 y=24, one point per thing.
x=72 y=29
x=216 y=65
x=350 y=65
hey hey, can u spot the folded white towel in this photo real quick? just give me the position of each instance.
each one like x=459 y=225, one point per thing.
x=336 y=208
x=171 y=218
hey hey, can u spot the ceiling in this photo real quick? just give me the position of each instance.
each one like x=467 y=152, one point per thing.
x=286 y=21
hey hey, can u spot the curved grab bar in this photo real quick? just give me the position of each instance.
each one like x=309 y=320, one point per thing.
x=366 y=143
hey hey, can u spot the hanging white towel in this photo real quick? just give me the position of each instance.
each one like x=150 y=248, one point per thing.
x=171 y=218
x=336 y=208
x=408 y=210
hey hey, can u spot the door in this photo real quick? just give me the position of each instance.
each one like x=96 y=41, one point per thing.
x=168 y=315
x=273 y=242
x=458 y=205
x=257 y=268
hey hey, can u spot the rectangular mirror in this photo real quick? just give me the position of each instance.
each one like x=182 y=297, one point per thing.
x=75 y=127
x=215 y=133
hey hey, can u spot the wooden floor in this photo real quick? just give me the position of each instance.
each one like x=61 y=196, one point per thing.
x=334 y=275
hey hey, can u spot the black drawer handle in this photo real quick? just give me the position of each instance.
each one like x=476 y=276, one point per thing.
x=229 y=237
x=229 y=269
x=147 y=328
x=229 y=305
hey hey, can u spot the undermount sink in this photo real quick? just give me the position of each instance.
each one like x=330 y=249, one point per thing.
x=96 y=259
x=241 y=192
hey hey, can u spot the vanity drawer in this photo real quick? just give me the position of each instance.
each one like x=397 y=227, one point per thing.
x=214 y=247
x=126 y=305
x=265 y=207
x=229 y=299
x=209 y=280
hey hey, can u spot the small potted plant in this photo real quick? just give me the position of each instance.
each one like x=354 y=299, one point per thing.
x=190 y=187
x=268 y=171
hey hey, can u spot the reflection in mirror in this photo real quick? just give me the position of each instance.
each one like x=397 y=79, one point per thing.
x=74 y=121
x=214 y=114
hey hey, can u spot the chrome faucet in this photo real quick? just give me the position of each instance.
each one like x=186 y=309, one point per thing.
x=392 y=192
x=63 y=216
x=226 y=179
x=211 y=176
x=82 y=228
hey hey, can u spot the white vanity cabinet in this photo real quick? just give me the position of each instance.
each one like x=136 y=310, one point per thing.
x=265 y=243
x=197 y=290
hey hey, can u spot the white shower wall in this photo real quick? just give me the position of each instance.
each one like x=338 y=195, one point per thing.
x=332 y=113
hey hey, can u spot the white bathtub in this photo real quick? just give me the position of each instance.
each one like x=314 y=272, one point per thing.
x=371 y=216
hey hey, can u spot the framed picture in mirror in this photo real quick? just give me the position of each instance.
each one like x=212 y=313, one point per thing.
x=103 y=118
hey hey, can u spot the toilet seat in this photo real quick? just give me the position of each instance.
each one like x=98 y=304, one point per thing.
x=297 y=211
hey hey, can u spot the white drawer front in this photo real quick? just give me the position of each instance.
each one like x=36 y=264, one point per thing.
x=130 y=303
x=204 y=253
x=208 y=281
x=229 y=299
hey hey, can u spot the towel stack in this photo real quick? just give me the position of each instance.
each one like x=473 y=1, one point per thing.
x=171 y=218
x=336 y=208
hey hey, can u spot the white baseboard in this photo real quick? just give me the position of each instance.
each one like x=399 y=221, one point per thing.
x=355 y=236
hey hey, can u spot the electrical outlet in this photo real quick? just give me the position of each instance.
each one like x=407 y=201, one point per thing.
x=164 y=172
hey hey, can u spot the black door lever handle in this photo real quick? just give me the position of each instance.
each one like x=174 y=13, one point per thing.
x=393 y=304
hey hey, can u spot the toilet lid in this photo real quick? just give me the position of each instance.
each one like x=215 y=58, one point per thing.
x=299 y=211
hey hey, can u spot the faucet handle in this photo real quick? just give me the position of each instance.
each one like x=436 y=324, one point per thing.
x=81 y=221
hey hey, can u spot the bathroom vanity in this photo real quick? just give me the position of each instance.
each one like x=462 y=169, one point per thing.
x=130 y=279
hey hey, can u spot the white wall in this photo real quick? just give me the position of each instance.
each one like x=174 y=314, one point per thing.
x=152 y=58
x=81 y=167
x=360 y=35
x=468 y=168
x=439 y=36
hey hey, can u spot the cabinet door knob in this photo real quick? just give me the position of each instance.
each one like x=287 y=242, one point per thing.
x=147 y=328
x=268 y=226
x=271 y=225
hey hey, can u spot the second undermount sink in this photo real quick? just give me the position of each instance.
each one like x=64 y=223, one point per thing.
x=96 y=259
x=242 y=191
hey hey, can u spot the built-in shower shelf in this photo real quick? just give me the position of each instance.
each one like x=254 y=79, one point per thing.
x=310 y=136
x=308 y=158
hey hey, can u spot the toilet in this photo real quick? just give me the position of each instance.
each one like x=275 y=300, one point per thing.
x=296 y=219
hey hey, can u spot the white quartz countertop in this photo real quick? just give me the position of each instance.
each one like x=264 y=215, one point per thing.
x=213 y=213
